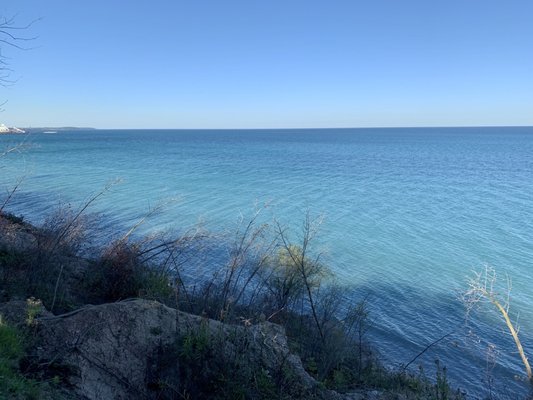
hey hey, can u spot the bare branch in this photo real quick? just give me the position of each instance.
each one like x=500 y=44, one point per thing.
x=9 y=38
x=80 y=212
x=426 y=349
x=10 y=194
x=482 y=288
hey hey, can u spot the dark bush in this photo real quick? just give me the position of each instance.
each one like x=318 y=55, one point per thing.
x=117 y=274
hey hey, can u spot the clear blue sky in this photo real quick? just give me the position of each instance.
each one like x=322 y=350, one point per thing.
x=270 y=63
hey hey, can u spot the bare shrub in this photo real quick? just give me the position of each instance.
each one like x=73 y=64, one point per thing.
x=117 y=274
x=234 y=290
x=65 y=231
x=48 y=263
x=147 y=266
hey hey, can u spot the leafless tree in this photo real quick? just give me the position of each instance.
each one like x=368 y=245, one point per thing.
x=482 y=288
x=15 y=36
x=11 y=35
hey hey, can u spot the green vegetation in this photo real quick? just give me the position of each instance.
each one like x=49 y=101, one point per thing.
x=207 y=369
x=13 y=384
x=15 y=381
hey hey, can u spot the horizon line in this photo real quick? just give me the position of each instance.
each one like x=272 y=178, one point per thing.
x=281 y=128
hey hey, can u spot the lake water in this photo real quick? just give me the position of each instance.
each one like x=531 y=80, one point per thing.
x=408 y=214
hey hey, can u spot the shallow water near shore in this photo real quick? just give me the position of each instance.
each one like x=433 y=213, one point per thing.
x=408 y=214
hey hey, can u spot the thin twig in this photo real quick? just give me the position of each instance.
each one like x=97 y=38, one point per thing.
x=426 y=349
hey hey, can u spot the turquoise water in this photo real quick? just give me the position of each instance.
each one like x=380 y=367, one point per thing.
x=408 y=213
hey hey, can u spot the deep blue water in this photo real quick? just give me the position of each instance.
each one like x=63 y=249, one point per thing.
x=408 y=213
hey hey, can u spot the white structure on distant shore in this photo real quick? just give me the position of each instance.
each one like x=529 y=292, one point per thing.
x=5 y=129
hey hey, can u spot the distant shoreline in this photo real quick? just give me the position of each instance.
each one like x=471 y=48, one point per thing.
x=58 y=129
x=77 y=128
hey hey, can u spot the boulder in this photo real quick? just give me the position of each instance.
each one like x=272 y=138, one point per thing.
x=115 y=351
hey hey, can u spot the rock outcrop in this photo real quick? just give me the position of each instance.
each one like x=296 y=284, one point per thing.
x=115 y=351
